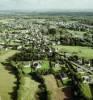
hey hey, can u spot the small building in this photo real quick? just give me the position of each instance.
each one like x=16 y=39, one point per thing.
x=87 y=79
x=36 y=65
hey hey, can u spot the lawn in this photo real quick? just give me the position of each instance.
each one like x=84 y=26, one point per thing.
x=26 y=70
x=45 y=64
x=28 y=89
x=85 y=52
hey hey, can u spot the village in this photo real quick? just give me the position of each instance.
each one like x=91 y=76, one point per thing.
x=49 y=58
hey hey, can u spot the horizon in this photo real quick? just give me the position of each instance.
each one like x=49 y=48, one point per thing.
x=49 y=10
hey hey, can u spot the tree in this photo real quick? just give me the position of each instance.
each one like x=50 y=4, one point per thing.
x=52 y=31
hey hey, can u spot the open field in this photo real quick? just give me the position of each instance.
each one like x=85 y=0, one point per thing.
x=55 y=92
x=6 y=55
x=4 y=21
x=7 y=82
x=28 y=89
x=85 y=52
x=7 y=78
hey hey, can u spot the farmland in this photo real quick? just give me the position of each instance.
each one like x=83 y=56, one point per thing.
x=46 y=57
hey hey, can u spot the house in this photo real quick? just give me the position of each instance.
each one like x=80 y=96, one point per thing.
x=36 y=65
x=57 y=65
x=87 y=79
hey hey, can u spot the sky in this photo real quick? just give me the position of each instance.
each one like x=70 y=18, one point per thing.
x=42 y=5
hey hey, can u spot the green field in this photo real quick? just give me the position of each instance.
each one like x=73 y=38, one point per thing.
x=86 y=90
x=7 y=79
x=28 y=89
x=6 y=54
x=7 y=82
x=51 y=85
x=85 y=52
x=5 y=21
x=45 y=64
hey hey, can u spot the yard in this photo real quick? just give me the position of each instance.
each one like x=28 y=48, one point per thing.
x=44 y=66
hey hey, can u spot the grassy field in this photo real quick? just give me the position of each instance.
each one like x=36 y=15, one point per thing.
x=28 y=89
x=86 y=90
x=5 y=21
x=45 y=64
x=6 y=54
x=55 y=92
x=7 y=82
x=7 y=79
x=26 y=70
x=85 y=52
